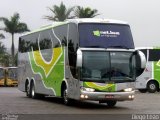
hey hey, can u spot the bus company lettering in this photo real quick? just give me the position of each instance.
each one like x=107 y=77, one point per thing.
x=99 y=33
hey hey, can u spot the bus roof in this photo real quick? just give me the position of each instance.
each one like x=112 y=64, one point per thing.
x=96 y=20
x=77 y=21
x=138 y=48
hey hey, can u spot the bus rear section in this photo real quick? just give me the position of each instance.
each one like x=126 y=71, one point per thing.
x=149 y=81
x=82 y=59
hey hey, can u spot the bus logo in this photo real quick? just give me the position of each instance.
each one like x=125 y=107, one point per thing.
x=96 y=33
x=107 y=33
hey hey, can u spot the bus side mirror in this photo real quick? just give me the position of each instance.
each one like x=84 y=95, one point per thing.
x=140 y=61
x=143 y=60
x=79 y=58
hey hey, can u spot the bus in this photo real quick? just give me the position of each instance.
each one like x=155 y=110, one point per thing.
x=150 y=79
x=80 y=59
x=8 y=76
x=11 y=76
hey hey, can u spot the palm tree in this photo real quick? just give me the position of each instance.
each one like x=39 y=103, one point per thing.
x=60 y=13
x=81 y=12
x=13 y=26
x=1 y=36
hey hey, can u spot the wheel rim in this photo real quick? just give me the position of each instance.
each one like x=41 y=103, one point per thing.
x=152 y=86
x=65 y=96
x=33 y=92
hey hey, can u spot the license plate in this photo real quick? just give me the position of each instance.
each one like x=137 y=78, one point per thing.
x=109 y=96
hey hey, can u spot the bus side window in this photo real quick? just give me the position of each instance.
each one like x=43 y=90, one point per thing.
x=72 y=48
x=154 y=54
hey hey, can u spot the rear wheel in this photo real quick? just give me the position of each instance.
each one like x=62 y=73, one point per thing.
x=28 y=92
x=111 y=103
x=33 y=93
x=152 y=87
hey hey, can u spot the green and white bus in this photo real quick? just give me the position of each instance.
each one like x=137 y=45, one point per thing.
x=80 y=59
x=150 y=79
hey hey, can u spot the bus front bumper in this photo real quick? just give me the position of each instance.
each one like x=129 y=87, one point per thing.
x=104 y=96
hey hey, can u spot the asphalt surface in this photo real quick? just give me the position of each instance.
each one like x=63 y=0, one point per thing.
x=14 y=102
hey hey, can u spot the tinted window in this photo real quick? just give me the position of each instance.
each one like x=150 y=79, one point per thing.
x=105 y=66
x=154 y=54
x=105 y=35
x=60 y=32
x=45 y=40
x=96 y=66
x=26 y=43
x=72 y=48
x=48 y=38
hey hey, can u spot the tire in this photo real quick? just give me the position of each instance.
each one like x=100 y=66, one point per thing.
x=66 y=100
x=152 y=87
x=34 y=95
x=28 y=91
x=142 y=90
x=111 y=103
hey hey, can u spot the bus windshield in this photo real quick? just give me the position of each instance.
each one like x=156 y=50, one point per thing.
x=107 y=66
x=105 y=35
x=12 y=73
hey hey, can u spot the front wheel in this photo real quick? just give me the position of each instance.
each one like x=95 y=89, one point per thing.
x=66 y=100
x=152 y=87
x=111 y=103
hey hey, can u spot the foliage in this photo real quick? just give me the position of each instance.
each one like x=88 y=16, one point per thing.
x=12 y=26
x=81 y=12
x=4 y=59
x=60 y=13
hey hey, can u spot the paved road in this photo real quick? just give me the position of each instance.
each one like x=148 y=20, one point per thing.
x=13 y=101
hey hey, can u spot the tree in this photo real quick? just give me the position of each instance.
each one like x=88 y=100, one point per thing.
x=81 y=12
x=13 y=26
x=2 y=36
x=3 y=59
x=60 y=13
x=2 y=48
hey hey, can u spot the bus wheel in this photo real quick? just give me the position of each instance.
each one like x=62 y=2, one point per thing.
x=152 y=87
x=33 y=94
x=111 y=103
x=66 y=100
x=142 y=90
x=28 y=92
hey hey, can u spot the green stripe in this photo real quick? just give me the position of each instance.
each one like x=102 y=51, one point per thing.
x=56 y=76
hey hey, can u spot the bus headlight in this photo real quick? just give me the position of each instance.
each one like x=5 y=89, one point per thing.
x=128 y=89
x=87 y=89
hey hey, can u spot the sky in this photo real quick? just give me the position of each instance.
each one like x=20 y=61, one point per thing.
x=142 y=15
